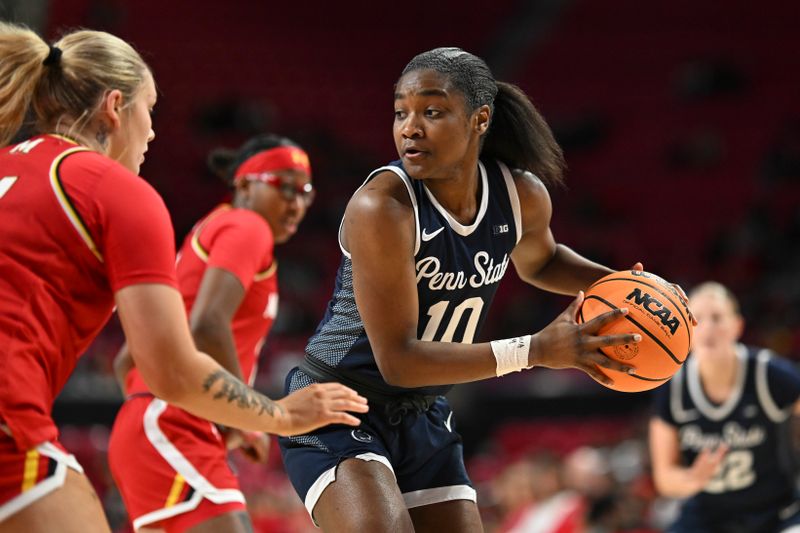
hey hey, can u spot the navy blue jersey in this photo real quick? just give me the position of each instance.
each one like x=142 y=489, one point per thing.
x=753 y=477
x=458 y=270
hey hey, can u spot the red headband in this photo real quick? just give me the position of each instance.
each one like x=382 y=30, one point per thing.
x=274 y=159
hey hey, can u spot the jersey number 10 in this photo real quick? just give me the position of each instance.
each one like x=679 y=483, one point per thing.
x=438 y=311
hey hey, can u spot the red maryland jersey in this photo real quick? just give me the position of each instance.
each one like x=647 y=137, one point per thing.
x=75 y=227
x=240 y=242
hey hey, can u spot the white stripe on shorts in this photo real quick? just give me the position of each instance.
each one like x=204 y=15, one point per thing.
x=415 y=498
x=203 y=488
x=46 y=486
x=418 y=498
x=329 y=476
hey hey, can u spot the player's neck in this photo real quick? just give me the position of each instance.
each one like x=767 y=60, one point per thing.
x=82 y=138
x=719 y=377
x=459 y=195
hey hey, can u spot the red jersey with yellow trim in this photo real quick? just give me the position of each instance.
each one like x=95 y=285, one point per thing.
x=240 y=242
x=75 y=227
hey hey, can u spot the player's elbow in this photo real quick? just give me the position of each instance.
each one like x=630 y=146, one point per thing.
x=170 y=385
x=661 y=487
x=395 y=371
x=395 y=377
x=668 y=488
x=208 y=328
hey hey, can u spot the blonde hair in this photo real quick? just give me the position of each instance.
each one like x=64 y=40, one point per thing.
x=720 y=289
x=70 y=89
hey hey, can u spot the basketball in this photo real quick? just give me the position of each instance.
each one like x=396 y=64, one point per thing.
x=656 y=312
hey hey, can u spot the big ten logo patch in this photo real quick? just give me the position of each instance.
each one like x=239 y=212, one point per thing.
x=499 y=229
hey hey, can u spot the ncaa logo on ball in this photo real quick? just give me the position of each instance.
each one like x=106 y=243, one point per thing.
x=654 y=308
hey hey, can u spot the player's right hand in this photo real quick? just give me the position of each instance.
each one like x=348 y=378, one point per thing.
x=566 y=344
x=318 y=405
x=706 y=464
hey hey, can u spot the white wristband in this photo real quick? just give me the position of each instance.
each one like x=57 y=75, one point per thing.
x=511 y=354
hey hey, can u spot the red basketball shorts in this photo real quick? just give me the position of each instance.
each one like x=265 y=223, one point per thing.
x=30 y=475
x=170 y=466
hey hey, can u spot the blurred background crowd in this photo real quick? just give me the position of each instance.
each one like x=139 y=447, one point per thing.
x=680 y=123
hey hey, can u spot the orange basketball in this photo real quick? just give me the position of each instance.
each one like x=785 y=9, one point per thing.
x=656 y=312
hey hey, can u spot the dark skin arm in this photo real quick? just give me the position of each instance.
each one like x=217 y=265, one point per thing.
x=379 y=234
x=538 y=259
x=542 y=262
x=218 y=298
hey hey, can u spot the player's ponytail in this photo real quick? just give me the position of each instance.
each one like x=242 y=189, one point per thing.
x=62 y=85
x=520 y=137
x=22 y=54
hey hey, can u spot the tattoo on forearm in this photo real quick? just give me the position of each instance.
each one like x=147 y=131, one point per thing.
x=234 y=390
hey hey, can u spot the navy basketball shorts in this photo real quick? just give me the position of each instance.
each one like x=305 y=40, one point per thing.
x=423 y=451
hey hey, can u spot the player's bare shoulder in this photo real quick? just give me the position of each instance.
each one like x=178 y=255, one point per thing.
x=382 y=202
x=384 y=198
x=534 y=198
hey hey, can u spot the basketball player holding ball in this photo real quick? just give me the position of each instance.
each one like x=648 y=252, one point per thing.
x=426 y=240
x=717 y=437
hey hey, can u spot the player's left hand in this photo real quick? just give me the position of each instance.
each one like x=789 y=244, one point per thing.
x=639 y=267
x=255 y=446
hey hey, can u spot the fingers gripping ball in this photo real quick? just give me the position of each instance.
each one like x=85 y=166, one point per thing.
x=656 y=311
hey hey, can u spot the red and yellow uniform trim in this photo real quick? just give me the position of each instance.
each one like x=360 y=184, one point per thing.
x=66 y=204
x=203 y=254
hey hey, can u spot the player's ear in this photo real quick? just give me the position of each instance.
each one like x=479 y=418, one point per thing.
x=481 y=118
x=243 y=189
x=739 y=326
x=111 y=110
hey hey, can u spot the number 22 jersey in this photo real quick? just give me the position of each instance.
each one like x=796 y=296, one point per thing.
x=754 y=476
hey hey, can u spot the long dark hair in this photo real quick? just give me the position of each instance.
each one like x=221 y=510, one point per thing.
x=223 y=161
x=518 y=134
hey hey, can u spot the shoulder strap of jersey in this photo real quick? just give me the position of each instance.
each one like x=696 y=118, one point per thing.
x=513 y=198
x=775 y=413
x=407 y=182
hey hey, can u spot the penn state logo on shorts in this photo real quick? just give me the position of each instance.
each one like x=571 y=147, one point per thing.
x=361 y=436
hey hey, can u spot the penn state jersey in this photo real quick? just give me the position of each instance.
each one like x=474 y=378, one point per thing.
x=753 y=476
x=458 y=270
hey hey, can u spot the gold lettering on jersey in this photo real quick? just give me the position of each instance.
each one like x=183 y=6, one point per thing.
x=486 y=273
